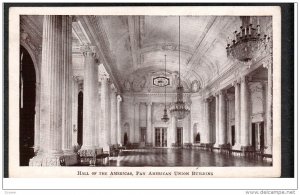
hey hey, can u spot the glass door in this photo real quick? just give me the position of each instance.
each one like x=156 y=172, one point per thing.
x=161 y=137
x=179 y=140
x=164 y=137
x=157 y=137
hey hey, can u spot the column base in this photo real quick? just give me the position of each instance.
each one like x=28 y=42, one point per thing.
x=149 y=145
x=187 y=145
x=216 y=145
x=268 y=150
x=46 y=160
x=207 y=146
x=236 y=147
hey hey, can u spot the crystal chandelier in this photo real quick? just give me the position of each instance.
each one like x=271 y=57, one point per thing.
x=248 y=43
x=179 y=111
x=165 y=117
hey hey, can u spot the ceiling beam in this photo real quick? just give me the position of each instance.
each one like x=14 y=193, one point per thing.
x=200 y=47
x=134 y=36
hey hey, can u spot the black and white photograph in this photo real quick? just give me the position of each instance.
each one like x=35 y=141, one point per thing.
x=151 y=93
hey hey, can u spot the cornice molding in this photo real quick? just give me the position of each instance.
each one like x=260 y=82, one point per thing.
x=96 y=33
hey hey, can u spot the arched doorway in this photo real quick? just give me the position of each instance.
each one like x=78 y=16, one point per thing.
x=80 y=118
x=27 y=106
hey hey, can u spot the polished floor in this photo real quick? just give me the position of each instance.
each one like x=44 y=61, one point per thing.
x=181 y=157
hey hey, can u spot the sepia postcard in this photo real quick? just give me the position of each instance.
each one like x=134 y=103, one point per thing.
x=144 y=92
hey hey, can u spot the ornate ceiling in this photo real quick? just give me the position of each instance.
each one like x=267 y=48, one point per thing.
x=132 y=47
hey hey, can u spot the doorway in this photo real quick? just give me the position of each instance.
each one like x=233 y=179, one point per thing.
x=143 y=134
x=232 y=135
x=257 y=139
x=160 y=137
x=125 y=139
x=179 y=140
x=80 y=118
x=27 y=106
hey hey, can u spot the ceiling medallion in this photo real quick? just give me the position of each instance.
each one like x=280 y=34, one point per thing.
x=248 y=43
x=179 y=110
x=161 y=81
x=165 y=117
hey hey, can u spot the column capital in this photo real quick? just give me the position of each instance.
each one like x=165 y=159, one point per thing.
x=136 y=103
x=119 y=98
x=236 y=82
x=244 y=79
x=104 y=78
x=113 y=88
x=149 y=103
x=207 y=100
x=88 y=50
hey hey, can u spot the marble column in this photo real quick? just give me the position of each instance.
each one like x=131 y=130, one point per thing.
x=89 y=97
x=37 y=118
x=51 y=94
x=149 y=123
x=222 y=119
x=269 y=116
x=245 y=120
x=206 y=137
x=97 y=103
x=136 y=122
x=237 y=116
x=75 y=92
x=105 y=107
x=119 y=119
x=113 y=113
x=217 y=120
x=67 y=85
x=100 y=117
x=173 y=129
x=187 y=129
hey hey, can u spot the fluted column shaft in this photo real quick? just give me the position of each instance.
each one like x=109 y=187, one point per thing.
x=187 y=129
x=269 y=116
x=222 y=119
x=97 y=108
x=207 y=122
x=119 y=118
x=75 y=111
x=173 y=130
x=51 y=86
x=105 y=99
x=237 y=114
x=245 y=120
x=137 y=122
x=67 y=84
x=217 y=120
x=149 y=122
x=37 y=118
x=113 y=117
x=89 y=97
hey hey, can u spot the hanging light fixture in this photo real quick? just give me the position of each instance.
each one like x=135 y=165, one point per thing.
x=179 y=111
x=248 y=43
x=165 y=117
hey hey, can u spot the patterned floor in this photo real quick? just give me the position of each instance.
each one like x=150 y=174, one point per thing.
x=181 y=157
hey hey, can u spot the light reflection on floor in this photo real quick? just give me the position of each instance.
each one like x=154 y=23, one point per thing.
x=181 y=157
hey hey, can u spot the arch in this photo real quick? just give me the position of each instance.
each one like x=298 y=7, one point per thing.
x=196 y=134
x=34 y=60
x=27 y=100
